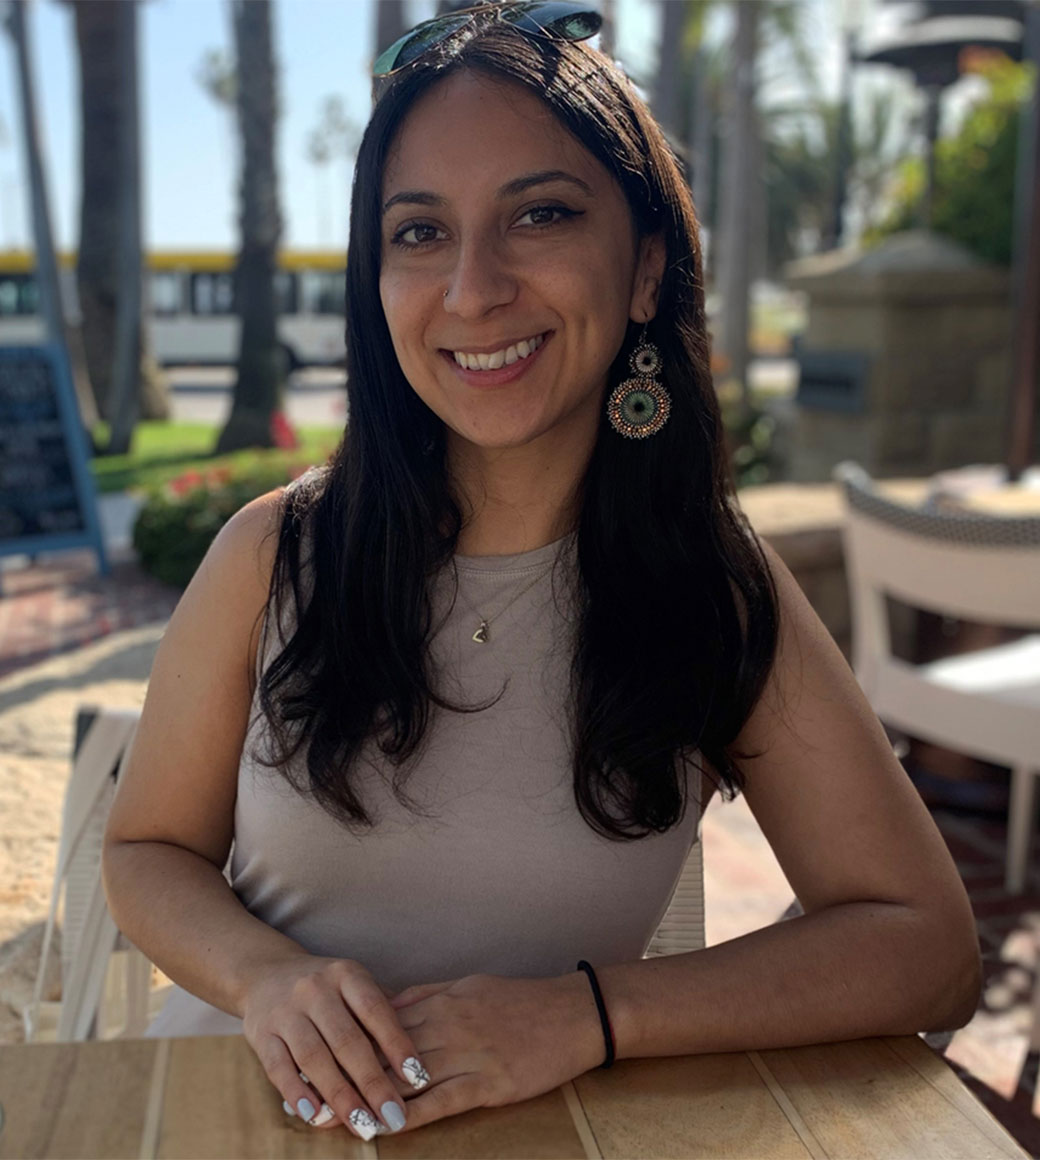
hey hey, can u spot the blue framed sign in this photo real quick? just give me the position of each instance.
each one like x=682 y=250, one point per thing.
x=47 y=496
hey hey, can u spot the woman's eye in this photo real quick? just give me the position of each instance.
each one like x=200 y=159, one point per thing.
x=424 y=233
x=542 y=214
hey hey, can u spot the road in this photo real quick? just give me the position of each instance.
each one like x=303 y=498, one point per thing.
x=317 y=396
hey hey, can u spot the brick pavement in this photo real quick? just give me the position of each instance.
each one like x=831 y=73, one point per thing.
x=61 y=603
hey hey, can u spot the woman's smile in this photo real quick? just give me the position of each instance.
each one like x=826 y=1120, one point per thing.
x=501 y=366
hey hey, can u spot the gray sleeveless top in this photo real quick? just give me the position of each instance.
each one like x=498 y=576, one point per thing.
x=497 y=872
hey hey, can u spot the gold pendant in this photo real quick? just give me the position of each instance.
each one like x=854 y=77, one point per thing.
x=481 y=635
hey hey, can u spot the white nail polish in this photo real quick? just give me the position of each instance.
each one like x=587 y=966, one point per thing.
x=415 y=1073
x=289 y=1109
x=323 y=1116
x=364 y=1123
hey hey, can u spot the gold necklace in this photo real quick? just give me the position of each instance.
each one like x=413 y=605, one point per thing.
x=481 y=635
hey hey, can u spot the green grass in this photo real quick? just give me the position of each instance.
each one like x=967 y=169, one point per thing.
x=162 y=451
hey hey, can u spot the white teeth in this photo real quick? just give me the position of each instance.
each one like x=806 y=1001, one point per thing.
x=499 y=358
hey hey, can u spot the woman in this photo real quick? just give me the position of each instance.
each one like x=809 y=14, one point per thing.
x=462 y=697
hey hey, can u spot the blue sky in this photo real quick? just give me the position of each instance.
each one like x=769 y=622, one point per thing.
x=323 y=47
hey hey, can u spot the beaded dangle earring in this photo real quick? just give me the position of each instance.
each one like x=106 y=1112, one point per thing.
x=640 y=406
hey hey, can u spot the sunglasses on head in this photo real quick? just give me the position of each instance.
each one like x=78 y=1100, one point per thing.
x=556 y=18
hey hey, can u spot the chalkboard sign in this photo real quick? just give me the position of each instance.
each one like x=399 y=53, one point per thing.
x=47 y=498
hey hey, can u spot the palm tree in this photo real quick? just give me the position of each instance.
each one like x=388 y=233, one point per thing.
x=742 y=147
x=57 y=329
x=109 y=217
x=261 y=363
x=698 y=88
x=336 y=135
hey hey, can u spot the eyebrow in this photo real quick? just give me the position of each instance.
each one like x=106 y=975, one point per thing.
x=511 y=189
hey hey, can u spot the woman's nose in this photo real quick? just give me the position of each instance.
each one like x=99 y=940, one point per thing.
x=479 y=282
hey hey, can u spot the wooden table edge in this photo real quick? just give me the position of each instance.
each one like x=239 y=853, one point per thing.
x=909 y=1048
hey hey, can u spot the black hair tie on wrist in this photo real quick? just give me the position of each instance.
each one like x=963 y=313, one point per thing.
x=601 y=1007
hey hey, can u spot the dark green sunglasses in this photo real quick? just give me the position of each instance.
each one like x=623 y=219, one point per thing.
x=568 y=21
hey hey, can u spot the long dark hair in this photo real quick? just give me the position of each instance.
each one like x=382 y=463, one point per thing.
x=677 y=617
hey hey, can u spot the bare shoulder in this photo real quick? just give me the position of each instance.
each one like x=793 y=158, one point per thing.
x=180 y=782
x=245 y=546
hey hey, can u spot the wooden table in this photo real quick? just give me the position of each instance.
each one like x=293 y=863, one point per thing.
x=208 y=1097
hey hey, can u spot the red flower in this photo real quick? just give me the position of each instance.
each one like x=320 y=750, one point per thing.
x=185 y=483
x=282 y=433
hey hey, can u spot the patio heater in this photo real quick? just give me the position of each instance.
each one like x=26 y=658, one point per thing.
x=930 y=45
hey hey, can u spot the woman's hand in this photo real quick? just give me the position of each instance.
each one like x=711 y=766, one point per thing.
x=489 y=1041
x=309 y=1019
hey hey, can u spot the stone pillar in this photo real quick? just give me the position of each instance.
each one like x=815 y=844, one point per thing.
x=905 y=363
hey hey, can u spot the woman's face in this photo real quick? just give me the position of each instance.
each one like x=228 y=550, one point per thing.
x=500 y=228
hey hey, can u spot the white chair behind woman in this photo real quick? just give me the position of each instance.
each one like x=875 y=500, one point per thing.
x=970 y=566
x=100 y=970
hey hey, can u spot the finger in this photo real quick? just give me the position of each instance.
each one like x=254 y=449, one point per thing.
x=322 y=1120
x=373 y=1011
x=356 y=1072
x=298 y=1097
x=414 y=994
x=402 y=1087
x=325 y=1118
x=459 y=1094
x=337 y=1091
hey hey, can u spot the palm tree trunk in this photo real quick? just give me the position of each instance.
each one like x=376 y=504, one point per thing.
x=126 y=362
x=46 y=259
x=261 y=363
x=737 y=211
x=701 y=133
x=668 y=85
x=105 y=201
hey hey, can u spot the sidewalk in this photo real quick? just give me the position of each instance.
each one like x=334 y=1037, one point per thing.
x=61 y=603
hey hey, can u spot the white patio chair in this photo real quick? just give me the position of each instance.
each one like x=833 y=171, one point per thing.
x=100 y=969
x=682 y=927
x=970 y=566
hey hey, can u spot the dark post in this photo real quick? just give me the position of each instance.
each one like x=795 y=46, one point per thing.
x=124 y=404
x=1026 y=374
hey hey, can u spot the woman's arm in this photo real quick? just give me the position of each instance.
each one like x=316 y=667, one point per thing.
x=168 y=838
x=170 y=829
x=887 y=944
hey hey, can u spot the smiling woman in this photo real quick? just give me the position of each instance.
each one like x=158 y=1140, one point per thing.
x=458 y=700
x=524 y=242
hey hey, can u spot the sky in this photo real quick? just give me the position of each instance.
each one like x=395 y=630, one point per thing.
x=323 y=48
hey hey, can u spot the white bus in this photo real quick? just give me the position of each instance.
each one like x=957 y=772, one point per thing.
x=188 y=304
